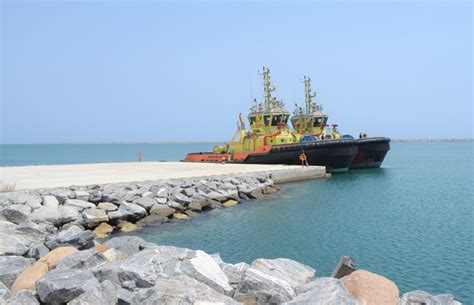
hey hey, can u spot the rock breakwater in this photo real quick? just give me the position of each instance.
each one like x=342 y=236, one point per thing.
x=53 y=251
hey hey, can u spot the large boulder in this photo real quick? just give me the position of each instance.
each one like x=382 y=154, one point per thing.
x=68 y=214
x=50 y=202
x=11 y=244
x=180 y=289
x=46 y=214
x=11 y=267
x=62 y=286
x=105 y=294
x=80 y=204
x=370 y=288
x=5 y=293
x=129 y=244
x=27 y=279
x=152 y=220
x=54 y=257
x=131 y=211
x=205 y=269
x=83 y=260
x=62 y=195
x=273 y=281
x=107 y=206
x=423 y=298
x=24 y=297
x=82 y=195
x=95 y=216
x=323 y=291
x=145 y=202
x=73 y=235
x=16 y=213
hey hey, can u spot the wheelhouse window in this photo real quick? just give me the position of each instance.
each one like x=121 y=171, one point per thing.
x=252 y=119
x=267 y=119
x=318 y=122
x=280 y=119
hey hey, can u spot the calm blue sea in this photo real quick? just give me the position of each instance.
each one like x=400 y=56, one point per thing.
x=411 y=221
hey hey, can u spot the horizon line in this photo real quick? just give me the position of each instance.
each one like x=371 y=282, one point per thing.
x=218 y=142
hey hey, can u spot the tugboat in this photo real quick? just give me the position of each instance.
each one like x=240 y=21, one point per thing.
x=270 y=140
x=312 y=123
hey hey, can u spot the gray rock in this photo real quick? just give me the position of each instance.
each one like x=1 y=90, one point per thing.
x=323 y=291
x=46 y=214
x=273 y=281
x=216 y=196
x=83 y=260
x=161 y=200
x=131 y=211
x=146 y=266
x=152 y=220
x=107 y=206
x=290 y=271
x=180 y=289
x=181 y=198
x=37 y=250
x=256 y=193
x=62 y=286
x=148 y=194
x=162 y=192
x=34 y=201
x=196 y=206
x=235 y=273
x=50 y=202
x=162 y=210
x=423 y=298
x=128 y=244
x=81 y=204
x=189 y=192
x=95 y=197
x=82 y=195
x=24 y=297
x=94 y=216
x=62 y=195
x=67 y=214
x=145 y=202
x=124 y=297
x=16 y=213
x=114 y=216
x=5 y=293
x=105 y=294
x=6 y=226
x=175 y=205
x=11 y=244
x=11 y=267
x=74 y=236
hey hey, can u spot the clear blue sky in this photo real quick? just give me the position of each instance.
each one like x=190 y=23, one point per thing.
x=149 y=71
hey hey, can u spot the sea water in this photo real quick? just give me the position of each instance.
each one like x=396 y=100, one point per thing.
x=411 y=220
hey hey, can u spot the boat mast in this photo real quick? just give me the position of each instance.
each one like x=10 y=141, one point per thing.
x=268 y=88
x=308 y=96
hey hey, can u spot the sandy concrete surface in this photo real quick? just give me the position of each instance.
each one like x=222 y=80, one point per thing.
x=49 y=176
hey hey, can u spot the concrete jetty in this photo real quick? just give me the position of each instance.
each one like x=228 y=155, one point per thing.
x=51 y=176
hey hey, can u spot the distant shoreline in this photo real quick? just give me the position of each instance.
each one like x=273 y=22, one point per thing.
x=220 y=142
x=434 y=140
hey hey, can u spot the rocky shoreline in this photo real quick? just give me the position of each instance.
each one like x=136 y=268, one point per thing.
x=54 y=250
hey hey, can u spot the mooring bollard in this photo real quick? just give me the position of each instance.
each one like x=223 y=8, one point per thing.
x=345 y=267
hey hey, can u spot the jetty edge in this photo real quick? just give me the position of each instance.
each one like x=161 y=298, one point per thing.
x=53 y=250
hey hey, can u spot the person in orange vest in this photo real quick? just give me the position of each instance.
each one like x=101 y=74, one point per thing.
x=223 y=160
x=303 y=159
